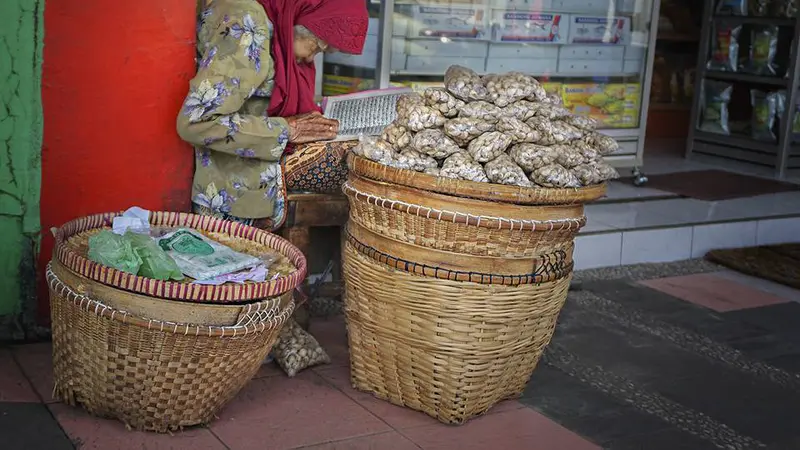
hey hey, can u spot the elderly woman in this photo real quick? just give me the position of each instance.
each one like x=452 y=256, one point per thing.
x=251 y=111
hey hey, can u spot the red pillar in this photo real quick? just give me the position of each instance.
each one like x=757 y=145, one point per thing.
x=114 y=76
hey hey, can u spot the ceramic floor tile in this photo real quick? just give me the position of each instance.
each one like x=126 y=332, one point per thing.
x=14 y=387
x=628 y=215
x=653 y=246
x=396 y=416
x=767 y=205
x=521 y=429
x=597 y=250
x=30 y=426
x=384 y=441
x=331 y=333
x=91 y=433
x=36 y=362
x=778 y=231
x=713 y=292
x=292 y=412
x=761 y=284
x=688 y=210
x=723 y=235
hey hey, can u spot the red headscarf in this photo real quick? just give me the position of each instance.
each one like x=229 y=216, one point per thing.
x=342 y=24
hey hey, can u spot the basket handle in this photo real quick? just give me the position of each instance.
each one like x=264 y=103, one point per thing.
x=253 y=323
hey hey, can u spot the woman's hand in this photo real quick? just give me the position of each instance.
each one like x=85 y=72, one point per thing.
x=311 y=127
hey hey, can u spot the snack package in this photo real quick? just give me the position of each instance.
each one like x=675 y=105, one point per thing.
x=297 y=350
x=715 y=97
x=782 y=100
x=732 y=7
x=763 y=47
x=765 y=109
x=724 y=48
x=201 y=258
x=503 y=170
x=465 y=83
x=113 y=250
x=784 y=8
x=156 y=263
x=375 y=149
x=758 y=8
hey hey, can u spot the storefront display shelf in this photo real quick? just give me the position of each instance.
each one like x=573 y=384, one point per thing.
x=595 y=54
x=767 y=104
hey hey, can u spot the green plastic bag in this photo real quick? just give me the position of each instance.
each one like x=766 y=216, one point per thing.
x=115 y=251
x=156 y=263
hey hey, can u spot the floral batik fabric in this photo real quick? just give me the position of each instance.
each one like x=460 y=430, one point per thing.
x=238 y=147
x=319 y=167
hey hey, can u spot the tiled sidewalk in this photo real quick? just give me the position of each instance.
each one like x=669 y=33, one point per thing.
x=653 y=361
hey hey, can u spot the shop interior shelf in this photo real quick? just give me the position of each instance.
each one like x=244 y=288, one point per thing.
x=745 y=78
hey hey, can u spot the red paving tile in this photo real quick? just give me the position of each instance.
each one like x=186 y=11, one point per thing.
x=331 y=333
x=91 y=433
x=36 y=361
x=14 y=387
x=383 y=441
x=396 y=416
x=714 y=292
x=283 y=413
x=269 y=370
x=520 y=429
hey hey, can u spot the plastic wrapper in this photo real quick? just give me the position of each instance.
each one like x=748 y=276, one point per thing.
x=603 y=144
x=481 y=110
x=595 y=173
x=462 y=166
x=414 y=160
x=522 y=110
x=397 y=135
x=552 y=112
x=465 y=84
x=554 y=132
x=510 y=87
x=583 y=122
x=503 y=170
x=715 y=97
x=375 y=149
x=763 y=47
x=418 y=116
x=434 y=143
x=464 y=129
x=517 y=130
x=488 y=146
x=435 y=171
x=296 y=349
x=765 y=110
x=568 y=156
x=555 y=176
x=553 y=99
x=406 y=101
x=532 y=156
x=201 y=258
x=759 y=8
x=724 y=48
x=113 y=250
x=732 y=7
x=785 y=8
x=588 y=152
x=442 y=101
x=156 y=263
x=782 y=104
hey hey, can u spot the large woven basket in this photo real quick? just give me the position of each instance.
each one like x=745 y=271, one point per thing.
x=450 y=300
x=152 y=362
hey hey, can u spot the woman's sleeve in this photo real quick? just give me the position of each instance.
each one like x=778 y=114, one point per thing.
x=235 y=63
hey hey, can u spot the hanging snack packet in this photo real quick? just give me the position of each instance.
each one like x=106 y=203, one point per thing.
x=724 y=48
x=785 y=8
x=763 y=47
x=201 y=258
x=781 y=100
x=732 y=7
x=758 y=8
x=765 y=108
x=716 y=96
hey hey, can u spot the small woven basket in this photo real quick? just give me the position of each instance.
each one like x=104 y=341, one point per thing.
x=150 y=367
x=450 y=300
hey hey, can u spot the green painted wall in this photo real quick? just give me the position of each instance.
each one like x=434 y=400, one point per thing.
x=21 y=40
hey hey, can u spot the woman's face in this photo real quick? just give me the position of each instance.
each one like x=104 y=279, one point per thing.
x=306 y=48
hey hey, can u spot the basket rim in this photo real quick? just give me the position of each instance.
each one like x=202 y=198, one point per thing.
x=172 y=290
x=473 y=189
